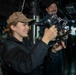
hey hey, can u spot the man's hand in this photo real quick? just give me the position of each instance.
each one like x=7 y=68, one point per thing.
x=58 y=47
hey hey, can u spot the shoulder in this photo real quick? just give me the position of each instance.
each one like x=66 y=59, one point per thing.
x=8 y=45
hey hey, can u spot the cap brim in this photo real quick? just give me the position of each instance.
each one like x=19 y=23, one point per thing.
x=30 y=21
x=26 y=20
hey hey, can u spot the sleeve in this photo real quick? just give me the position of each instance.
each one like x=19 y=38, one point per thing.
x=53 y=56
x=50 y=57
x=20 y=61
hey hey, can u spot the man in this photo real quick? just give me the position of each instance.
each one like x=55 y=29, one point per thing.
x=54 y=68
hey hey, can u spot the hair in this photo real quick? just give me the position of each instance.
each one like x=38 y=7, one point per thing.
x=8 y=29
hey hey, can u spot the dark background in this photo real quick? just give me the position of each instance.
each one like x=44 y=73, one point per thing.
x=8 y=6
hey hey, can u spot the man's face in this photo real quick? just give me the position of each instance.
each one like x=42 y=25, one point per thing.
x=52 y=9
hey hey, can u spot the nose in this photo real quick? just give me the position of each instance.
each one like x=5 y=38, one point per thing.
x=53 y=7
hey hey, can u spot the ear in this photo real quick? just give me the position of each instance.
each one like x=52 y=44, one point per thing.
x=12 y=27
x=46 y=9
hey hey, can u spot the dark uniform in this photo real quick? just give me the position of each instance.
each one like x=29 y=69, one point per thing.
x=22 y=58
x=51 y=65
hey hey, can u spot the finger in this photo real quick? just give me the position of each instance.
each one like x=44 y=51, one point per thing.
x=63 y=44
x=52 y=26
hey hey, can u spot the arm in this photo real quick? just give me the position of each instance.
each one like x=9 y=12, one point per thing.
x=54 y=51
x=23 y=62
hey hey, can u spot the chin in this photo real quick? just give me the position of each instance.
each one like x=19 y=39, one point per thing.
x=26 y=36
